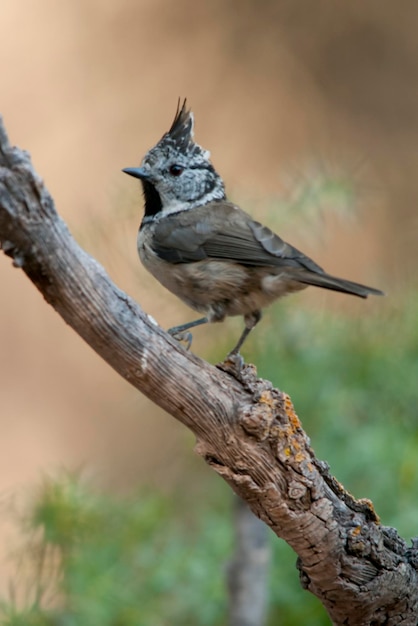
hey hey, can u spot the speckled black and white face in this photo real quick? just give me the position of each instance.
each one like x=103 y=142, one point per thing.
x=176 y=173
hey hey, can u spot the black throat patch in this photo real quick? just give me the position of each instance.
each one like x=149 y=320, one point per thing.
x=153 y=204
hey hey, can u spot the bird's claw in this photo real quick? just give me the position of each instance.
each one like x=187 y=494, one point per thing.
x=182 y=336
x=233 y=364
x=236 y=360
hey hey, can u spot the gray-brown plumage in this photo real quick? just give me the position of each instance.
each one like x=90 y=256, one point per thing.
x=208 y=251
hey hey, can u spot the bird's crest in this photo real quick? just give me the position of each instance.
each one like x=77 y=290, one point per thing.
x=180 y=135
x=181 y=130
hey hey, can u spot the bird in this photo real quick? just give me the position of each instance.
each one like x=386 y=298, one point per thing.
x=208 y=251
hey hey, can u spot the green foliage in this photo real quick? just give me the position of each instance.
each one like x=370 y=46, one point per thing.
x=124 y=561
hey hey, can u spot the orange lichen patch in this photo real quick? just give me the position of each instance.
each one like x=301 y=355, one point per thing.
x=293 y=451
x=296 y=444
x=288 y=430
x=266 y=398
x=356 y=530
x=299 y=457
x=290 y=412
x=369 y=505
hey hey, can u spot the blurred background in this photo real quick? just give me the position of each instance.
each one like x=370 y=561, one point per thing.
x=310 y=112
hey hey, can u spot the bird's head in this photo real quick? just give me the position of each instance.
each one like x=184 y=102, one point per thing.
x=177 y=174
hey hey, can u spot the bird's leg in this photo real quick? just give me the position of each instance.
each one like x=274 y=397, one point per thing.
x=179 y=332
x=250 y=321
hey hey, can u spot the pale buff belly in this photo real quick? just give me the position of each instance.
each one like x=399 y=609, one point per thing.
x=218 y=288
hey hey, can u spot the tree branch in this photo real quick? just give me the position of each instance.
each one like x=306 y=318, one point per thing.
x=246 y=430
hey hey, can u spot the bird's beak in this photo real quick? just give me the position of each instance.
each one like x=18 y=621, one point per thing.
x=137 y=172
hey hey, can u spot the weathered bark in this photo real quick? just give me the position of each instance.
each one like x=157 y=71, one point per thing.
x=246 y=430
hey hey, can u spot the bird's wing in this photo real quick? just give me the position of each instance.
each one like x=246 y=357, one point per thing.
x=222 y=231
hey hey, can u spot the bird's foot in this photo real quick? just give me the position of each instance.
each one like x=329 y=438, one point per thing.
x=181 y=333
x=182 y=336
x=233 y=364
x=235 y=359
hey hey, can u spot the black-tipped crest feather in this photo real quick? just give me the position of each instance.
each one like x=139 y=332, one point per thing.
x=181 y=130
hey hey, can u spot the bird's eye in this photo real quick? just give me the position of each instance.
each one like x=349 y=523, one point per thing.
x=175 y=170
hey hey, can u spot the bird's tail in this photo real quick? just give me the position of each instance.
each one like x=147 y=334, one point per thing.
x=338 y=284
